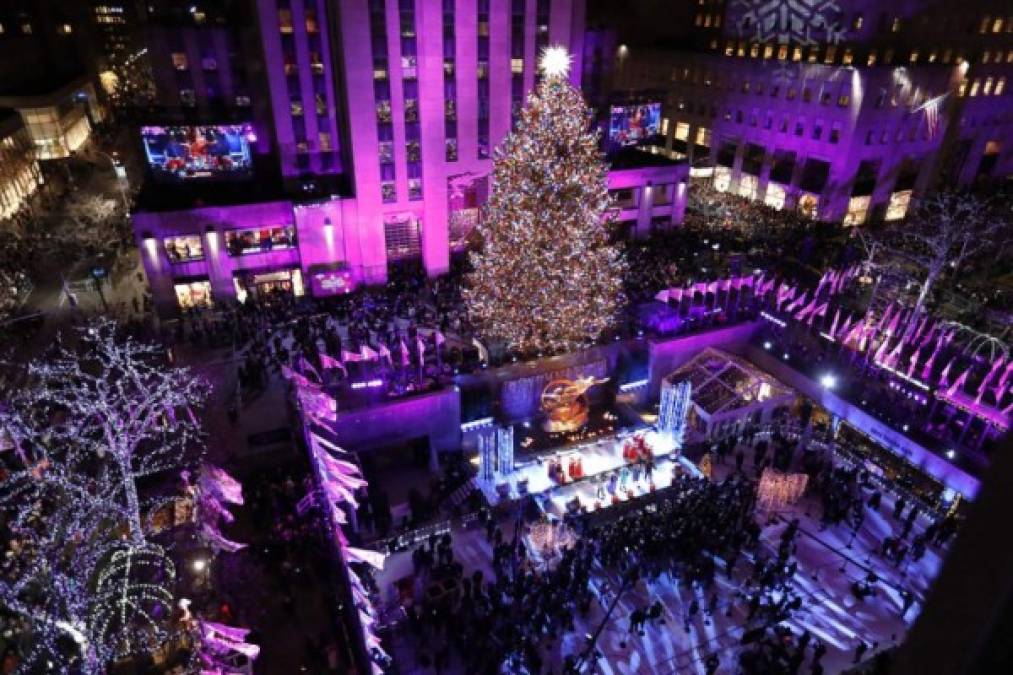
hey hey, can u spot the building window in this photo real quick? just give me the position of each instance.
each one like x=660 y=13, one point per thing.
x=324 y=139
x=285 y=21
x=260 y=240
x=831 y=54
x=835 y=133
x=975 y=85
x=895 y=25
x=914 y=56
x=817 y=130
x=983 y=27
x=311 y=21
x=192 y=294
x=179 y=61
x=402 y=238
x=843 y=100
x=188 y=97
x=1000 y=86
x=849 y=57
x=184 y=248
x=856 y=23
x=987 y=89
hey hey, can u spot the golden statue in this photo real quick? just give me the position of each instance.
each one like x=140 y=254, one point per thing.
x=565 y=404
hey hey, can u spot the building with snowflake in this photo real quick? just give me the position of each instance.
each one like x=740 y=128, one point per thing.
x=841 y=109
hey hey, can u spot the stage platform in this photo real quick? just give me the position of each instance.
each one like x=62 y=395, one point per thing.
x=600 y=458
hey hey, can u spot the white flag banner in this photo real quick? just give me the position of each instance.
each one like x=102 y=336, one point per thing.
x=363 y=555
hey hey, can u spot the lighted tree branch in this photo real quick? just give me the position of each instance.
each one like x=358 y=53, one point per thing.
x=86 y=424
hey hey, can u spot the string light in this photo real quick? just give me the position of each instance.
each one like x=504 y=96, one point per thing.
x=84 y=426
x=546 y=278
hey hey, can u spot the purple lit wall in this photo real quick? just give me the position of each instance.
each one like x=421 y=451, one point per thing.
x=297 y=55
x=424 y=76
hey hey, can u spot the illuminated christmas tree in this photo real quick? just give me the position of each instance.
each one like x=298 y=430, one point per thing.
x=546 y=277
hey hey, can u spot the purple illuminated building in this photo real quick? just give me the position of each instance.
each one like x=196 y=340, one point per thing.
x=842 y=110
x=374 y=125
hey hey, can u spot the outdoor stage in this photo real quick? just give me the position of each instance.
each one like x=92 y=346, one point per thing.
x=600 y=459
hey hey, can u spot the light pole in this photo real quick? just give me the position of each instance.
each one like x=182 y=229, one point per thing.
x=121 y=178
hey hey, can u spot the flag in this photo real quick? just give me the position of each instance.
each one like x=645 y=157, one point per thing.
x=958 y=383
x=224 y=487
x=884 y=318
x=675 y=294
x=438 y=338
x=946 y=373
x=712 y=287
x=797 y=302
x=725 y=285
x=662 y=296
x=347 y=356
x=420 y=346
x=404 y=353
x=362 y=555
x=881 y=350
x=805 y=311
x=891 y=358
x=927 y=368
x=384 y=352
x=833 y=324
x=913 y=361
x=367 y=354
x=318 y=405
x=328 y=362
x=988 y=377
x=297 y=379
x=307 y=368
x=892 y=328
x=336 y=492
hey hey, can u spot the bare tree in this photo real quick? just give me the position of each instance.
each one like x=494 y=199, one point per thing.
x=945 y=231
x=87 y=424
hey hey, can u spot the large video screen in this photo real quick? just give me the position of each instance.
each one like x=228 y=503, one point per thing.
x=197 y=152
x=629 y=124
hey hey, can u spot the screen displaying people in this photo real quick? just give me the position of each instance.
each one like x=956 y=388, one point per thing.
x=633 y=123
x=188 y=152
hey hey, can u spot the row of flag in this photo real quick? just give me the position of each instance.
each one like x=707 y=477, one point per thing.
x=340 y=479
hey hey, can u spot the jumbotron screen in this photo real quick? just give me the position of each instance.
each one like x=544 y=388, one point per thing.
x=199 y=152
x=629 y=124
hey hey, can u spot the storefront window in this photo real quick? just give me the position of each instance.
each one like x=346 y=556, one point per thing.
x=184 y=249
x=243 y=242
x=192 y=294
x=858 y=209
x=808 y=205
x=774 y=197
x=899 y=202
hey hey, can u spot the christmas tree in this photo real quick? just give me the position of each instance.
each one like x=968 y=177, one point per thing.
x=546 y=276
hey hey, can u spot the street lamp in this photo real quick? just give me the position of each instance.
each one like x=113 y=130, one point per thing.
x=828 y=381
x=121 y=178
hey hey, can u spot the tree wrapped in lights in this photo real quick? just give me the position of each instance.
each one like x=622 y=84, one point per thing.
x=546 y=277
x=87 y=424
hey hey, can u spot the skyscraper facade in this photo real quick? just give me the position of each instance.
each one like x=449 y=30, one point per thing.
x=843 y=111
x=372 y=125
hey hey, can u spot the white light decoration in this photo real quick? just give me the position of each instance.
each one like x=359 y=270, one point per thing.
x=554 y=61
x=89 y=422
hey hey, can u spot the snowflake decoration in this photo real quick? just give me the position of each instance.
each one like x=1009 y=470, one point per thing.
x=789 y=21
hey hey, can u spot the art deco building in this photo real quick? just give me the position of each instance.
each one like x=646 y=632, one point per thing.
x=840 y=110
x=372 y=125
